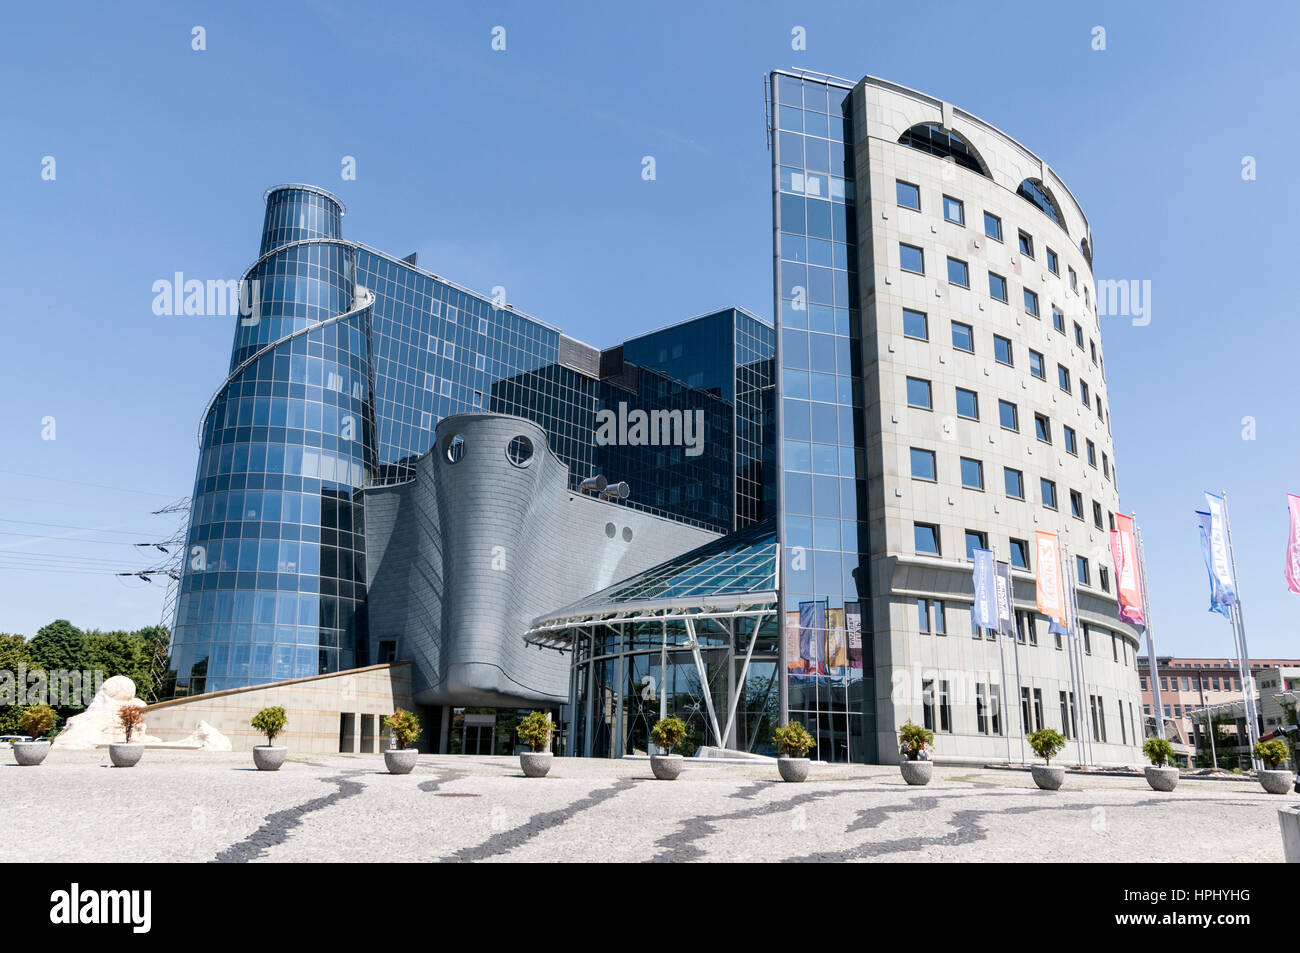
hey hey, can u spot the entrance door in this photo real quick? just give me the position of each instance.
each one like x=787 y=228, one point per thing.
x=478 y=739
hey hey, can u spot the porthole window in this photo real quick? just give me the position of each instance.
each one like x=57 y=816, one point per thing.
x=455 y=448
x=520 y=451
x=610 y=530
x=627 y=534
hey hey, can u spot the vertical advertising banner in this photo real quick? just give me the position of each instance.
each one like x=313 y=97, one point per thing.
x=853 y=633
x=1220 y=559
x=984 y=614
x=1005 y=597
x=812 y=635
x=1123 y=549
x=1051 y=593
x=1293 y=544
x=1218 y=599
x=793 y=662
x=837 y=658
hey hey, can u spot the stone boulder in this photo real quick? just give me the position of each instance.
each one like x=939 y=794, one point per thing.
x=207 y=738
x=98 y=724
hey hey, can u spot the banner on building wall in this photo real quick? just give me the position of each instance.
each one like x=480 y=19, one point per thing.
x=837 y=656
x=794 y=664
x=1123 y=551
x=1218 y=599
x=1005 y=594
x=1293 y=544
x=812 y=635
x=1050 y=591
x=1220 y=558
x=984 y=613
x=853 y=633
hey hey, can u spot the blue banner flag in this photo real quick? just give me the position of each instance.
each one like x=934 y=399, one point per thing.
x=985 y=612
x=1220 y=557
x=1219 y=601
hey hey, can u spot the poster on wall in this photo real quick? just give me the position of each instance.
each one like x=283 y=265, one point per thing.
x=853 y=633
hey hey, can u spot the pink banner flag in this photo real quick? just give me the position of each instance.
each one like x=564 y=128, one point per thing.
x=1123 y=548
x=1293 y=545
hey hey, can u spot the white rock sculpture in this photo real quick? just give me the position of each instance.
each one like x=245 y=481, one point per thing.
x=98 y=724
x=207 y=738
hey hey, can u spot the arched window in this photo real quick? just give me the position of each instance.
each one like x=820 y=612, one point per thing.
x=1086 y=247
x=932 y=138
x=1033 y=190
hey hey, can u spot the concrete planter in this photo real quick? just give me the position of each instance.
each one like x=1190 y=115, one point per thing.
x=536 y=764
x=399 y=760
x=666 y=766
x=30 y=753
x=125 y=754
x=917 y=772
x=793 y=769
x=1161 y=779
x=1275 y=782
x=269 y=757
x=1049 y=777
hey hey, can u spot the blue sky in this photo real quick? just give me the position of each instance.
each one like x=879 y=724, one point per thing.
x=522 y=168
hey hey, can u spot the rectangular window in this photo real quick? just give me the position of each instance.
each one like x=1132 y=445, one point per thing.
x=1031 y=302
x=915 y=325
x=981 y=711
x=911 y=258
x=922 y=615
x=1037 y=366
x=975 y=540
x=1002 y=350
x=1103 y=574
x=1038 y=708
x=993 y=226
x=909 y=196
x=1058 y=319
x=953 y=210
x=1096 y=514
x=918 y=393
x=1063 y=377
x=1020 y=553
x=945 y=706
x=1074 y=280
x=1092 y=346
x=968 y=404
x=1081 y=567
x=997 y=287
x=963 y=337
x=926 y=537
x=1083 y=392
x=1065 y=715
x=940 y=619
x=1076 y=504
x=1047 y=491
x=1092 y=451
x=1014 y=481
x=1026 y=245
x=1071 y=445
x=927 y=703
x=1042 y=428
x=1105 y=465
x=1053 y=265
x=1078 y=336
x=1008 y=415
x=972 y=474
x=958 y=272
x=923 y=464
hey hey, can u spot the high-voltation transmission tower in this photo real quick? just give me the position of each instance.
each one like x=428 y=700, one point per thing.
x=174 y=550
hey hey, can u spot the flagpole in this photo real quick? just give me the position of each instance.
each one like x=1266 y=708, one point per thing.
x=1243 y=653
x=1020 y=691
x=1076 y=638
x=1153 y=664
x=1074 y=615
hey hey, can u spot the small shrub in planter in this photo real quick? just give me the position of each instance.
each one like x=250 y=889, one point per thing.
x=36 y=721
x=792 y=743
x=1047 y=743
x=270 y=722
x=405 y=728
x=1273 y=777
x=535 y=731
x=915 y=744
x=1159 y=775
x=667 y=734
x=126 y=754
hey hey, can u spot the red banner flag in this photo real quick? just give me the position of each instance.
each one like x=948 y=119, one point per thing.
x=1293 y=545
x=1051 y=595
x=1123 y=548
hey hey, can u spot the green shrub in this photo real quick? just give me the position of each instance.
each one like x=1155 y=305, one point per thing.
x=1158 y=750
x=668 y=733
x=912 y=738
x=535 y=730
x=270 y=722
x=405 y=727
x=792 y=740
x=131 y=718
x=1046 y=742
x=37 y=721
x=1272 y=753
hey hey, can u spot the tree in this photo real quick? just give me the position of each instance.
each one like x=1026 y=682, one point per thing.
x=15 y=652
x=59 y=645
x=119 y=653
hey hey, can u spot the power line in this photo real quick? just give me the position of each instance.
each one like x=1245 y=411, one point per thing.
x=65 y=539
x=101 y=486
x=91 y=529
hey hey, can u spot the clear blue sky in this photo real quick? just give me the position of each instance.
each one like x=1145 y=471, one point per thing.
x=522 y=168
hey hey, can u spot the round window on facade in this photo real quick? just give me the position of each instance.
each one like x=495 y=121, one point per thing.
x=627 y=534
x=610 y=530
x=520 y=451
x=455 y=448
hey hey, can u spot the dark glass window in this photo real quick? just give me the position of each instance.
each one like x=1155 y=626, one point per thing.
x=911 y=258
x=958 y=272
x=1014 y=482
x=929 y=137
x=997 y=286
x=1026 y=245
x=1063 y=377
x=1031 y=302
x=1002 y=349
x=975 y=540
x=968 y=404
x=915 y=325
x=993 y=226
x=1053 y=264
x=918 y=393
x=1042 y=428
x=972 y=474
x=1058 y=319
x=1033 y=191
x=923 y=464
x=1047 y=491
x=909 y=196
x=1020 y=554
x=953 y=210
x=926 y=538
x=1070 y=445
x=1076 y=504
x=1081 y=565
x=1036 y=365
x=1008 y=415
x=963 y=337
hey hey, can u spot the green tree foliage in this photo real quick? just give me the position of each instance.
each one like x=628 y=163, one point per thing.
x=1273 y=753
x=912 y=738
x=270 y=722
x=59 y=645
x=1158 y=750
x=405 y=727
x=535 y=730
x=1046 y=742
x=120 y=653
x=792 y=740
x=15 y=651
x=668 y=733
x=36 y=721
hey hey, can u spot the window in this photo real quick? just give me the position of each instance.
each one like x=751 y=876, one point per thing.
x=915 y=325
x=923 y=464
x=1065 y=714
x=1008 y=415
x=1104 y=575
x=1081 y=566
x=909 y=196
x=958 y=273
x=1078 y=336
x=1076 y=504
x=918 y=393
x=972 y=474
x=940 y=619
x=926 y=538
x=911 y=258
x=1053 y=265
x=1071 y=446
x=945 y=706
x=968 y=404
x=1063 y=377
x=963 y=337
x=1074 y=280
x=1083 y=392
x=1111 y=516
x=1020 y=553
x=1042 y=428
x=1047 y=490
x=1037 y=366
x=975 y=540
x=1092 y=347
x=1026 y=245
x=1105 y=464
x=1002 y=350
x=927 y=703
x=993 y=226
x=922 y=615
x=1058 y=319
x=953 y=210
x=997 y=287
x=1014 y=481
x=1092 y=451
x=1031 y=302
x=1096 y=515
x=981 y=710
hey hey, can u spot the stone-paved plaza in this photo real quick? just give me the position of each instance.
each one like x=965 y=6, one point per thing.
x=201 y=807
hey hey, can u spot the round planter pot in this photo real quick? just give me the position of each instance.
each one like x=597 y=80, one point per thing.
x=1275 y=782
x=397 y=760
x=1161 y=779
x=125 y=754
x=1049 y=777
x=666 y=766
x=29 y=753
x=536 y=764
x=917 y=772
x=269 y=757
x=793 y=769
